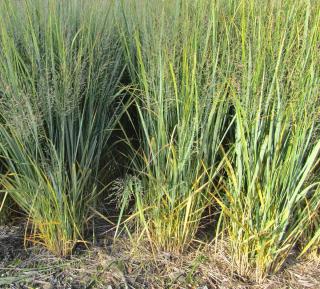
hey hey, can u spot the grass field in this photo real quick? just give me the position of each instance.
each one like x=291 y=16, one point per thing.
x=184 y=125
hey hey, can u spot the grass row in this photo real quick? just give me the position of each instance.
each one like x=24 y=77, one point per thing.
x=223 y=99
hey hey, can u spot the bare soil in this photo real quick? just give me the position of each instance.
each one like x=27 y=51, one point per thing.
x=107 y=264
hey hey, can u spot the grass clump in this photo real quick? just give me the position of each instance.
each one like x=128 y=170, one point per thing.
x=181 y=102
x=60 y=69
x=271 y=193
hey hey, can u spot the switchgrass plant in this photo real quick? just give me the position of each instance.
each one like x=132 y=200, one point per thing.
x=226 y=95
x=60 y=68
x=180 y=97
x=271 y=192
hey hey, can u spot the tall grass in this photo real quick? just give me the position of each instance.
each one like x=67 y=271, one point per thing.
x=60 y=68
x=226 y=97
x=270 y=193
x=232 y=85
x=173 y=52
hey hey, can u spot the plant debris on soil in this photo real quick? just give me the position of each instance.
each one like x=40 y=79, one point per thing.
x=113 y=264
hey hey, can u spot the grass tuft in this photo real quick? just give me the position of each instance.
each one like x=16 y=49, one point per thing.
x=60 y=71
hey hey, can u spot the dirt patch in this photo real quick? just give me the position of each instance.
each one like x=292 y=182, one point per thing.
x=111 y=265
x=11 y=243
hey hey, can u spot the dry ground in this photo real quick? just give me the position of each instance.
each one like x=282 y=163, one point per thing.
x=110 y=265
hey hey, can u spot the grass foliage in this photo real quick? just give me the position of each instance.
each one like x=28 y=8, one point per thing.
x=181 y=112
x=270 y=193
x=60 y=70
x=224 y=104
